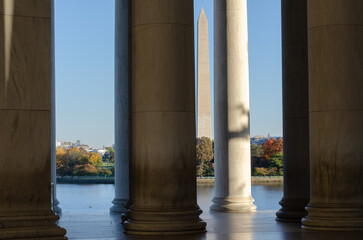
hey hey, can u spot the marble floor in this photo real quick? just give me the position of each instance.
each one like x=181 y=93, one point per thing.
x=220 y=226
x=85 y=216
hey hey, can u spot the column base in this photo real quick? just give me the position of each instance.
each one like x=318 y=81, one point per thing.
x=333 y=218
x=164 y=221
x=120 y=205
x=292 y=210
x=233 y=204
x=30 y=225
x=56 y=208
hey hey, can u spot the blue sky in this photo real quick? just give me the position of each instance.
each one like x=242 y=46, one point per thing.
x=84 y=35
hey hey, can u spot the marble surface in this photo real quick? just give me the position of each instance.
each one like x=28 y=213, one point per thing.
x=25 y=121
x=25 y=90
x=220 y=226
x=336 y=114
x=122 y=106
x=204 y=108
x=24 y=160
x=295 y=111
x=231 y=103
x=55 y=201
x=163 y=120
x=21 y=48
x=83 y=222
x=159 y=82
x=26 y=8
x=162 y=12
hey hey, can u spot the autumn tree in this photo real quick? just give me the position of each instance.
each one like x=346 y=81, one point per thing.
x=73 y=157
x=204 y=156
x=271 y=147
x=59 y=154
x=85 y=170
x=94 y=159
x=70 y=162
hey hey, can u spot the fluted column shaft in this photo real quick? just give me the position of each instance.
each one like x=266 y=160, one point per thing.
x=122 y=107
x=336 y=114
x=53 y=147
x=231 y=103
x=25 y=121
x=163 y=120
x=295 y=111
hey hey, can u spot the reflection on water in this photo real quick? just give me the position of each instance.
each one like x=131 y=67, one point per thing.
x=96 y=198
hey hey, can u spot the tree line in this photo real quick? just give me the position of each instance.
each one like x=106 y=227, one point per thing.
x=266 y=159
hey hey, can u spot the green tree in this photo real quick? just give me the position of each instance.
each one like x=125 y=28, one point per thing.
x=274 y=167
x=110 y=155
x=276 y=161
x=256 y=151
x=105 y=172
x=204 y=150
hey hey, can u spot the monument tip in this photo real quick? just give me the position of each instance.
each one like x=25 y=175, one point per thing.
x=202 y=13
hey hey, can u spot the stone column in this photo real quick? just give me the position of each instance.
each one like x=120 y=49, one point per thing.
x=295 y=111
x=53 y=147
x=25 y=121
x=163 y=120
x=122 y=107
x=231 y=108
x=335 y=30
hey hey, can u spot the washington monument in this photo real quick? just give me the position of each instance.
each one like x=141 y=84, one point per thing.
x=204 y=119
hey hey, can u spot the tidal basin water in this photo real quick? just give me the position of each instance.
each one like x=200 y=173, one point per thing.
x=96 y=198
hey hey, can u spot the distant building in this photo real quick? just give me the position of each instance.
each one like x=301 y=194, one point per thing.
x=260 y=139
x=84 y=146
x=63 y=144
x=259 y=136
x=68 y=145
x=99 y=151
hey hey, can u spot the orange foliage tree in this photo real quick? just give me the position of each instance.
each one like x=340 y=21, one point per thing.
x=95 y=159
x=59 y=154
x=77 y=161
x=271 y=147
x=85 y=170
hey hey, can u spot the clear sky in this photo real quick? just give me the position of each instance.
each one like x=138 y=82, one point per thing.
x=84 y=35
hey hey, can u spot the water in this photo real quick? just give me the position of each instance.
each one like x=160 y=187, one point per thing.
x=96 y=198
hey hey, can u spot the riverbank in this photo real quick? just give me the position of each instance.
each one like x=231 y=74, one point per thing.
x=254 y=180
x=86 y=180
x=200 y=181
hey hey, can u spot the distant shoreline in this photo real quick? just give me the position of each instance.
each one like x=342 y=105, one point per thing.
x=200 y=181
x=254 y=180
